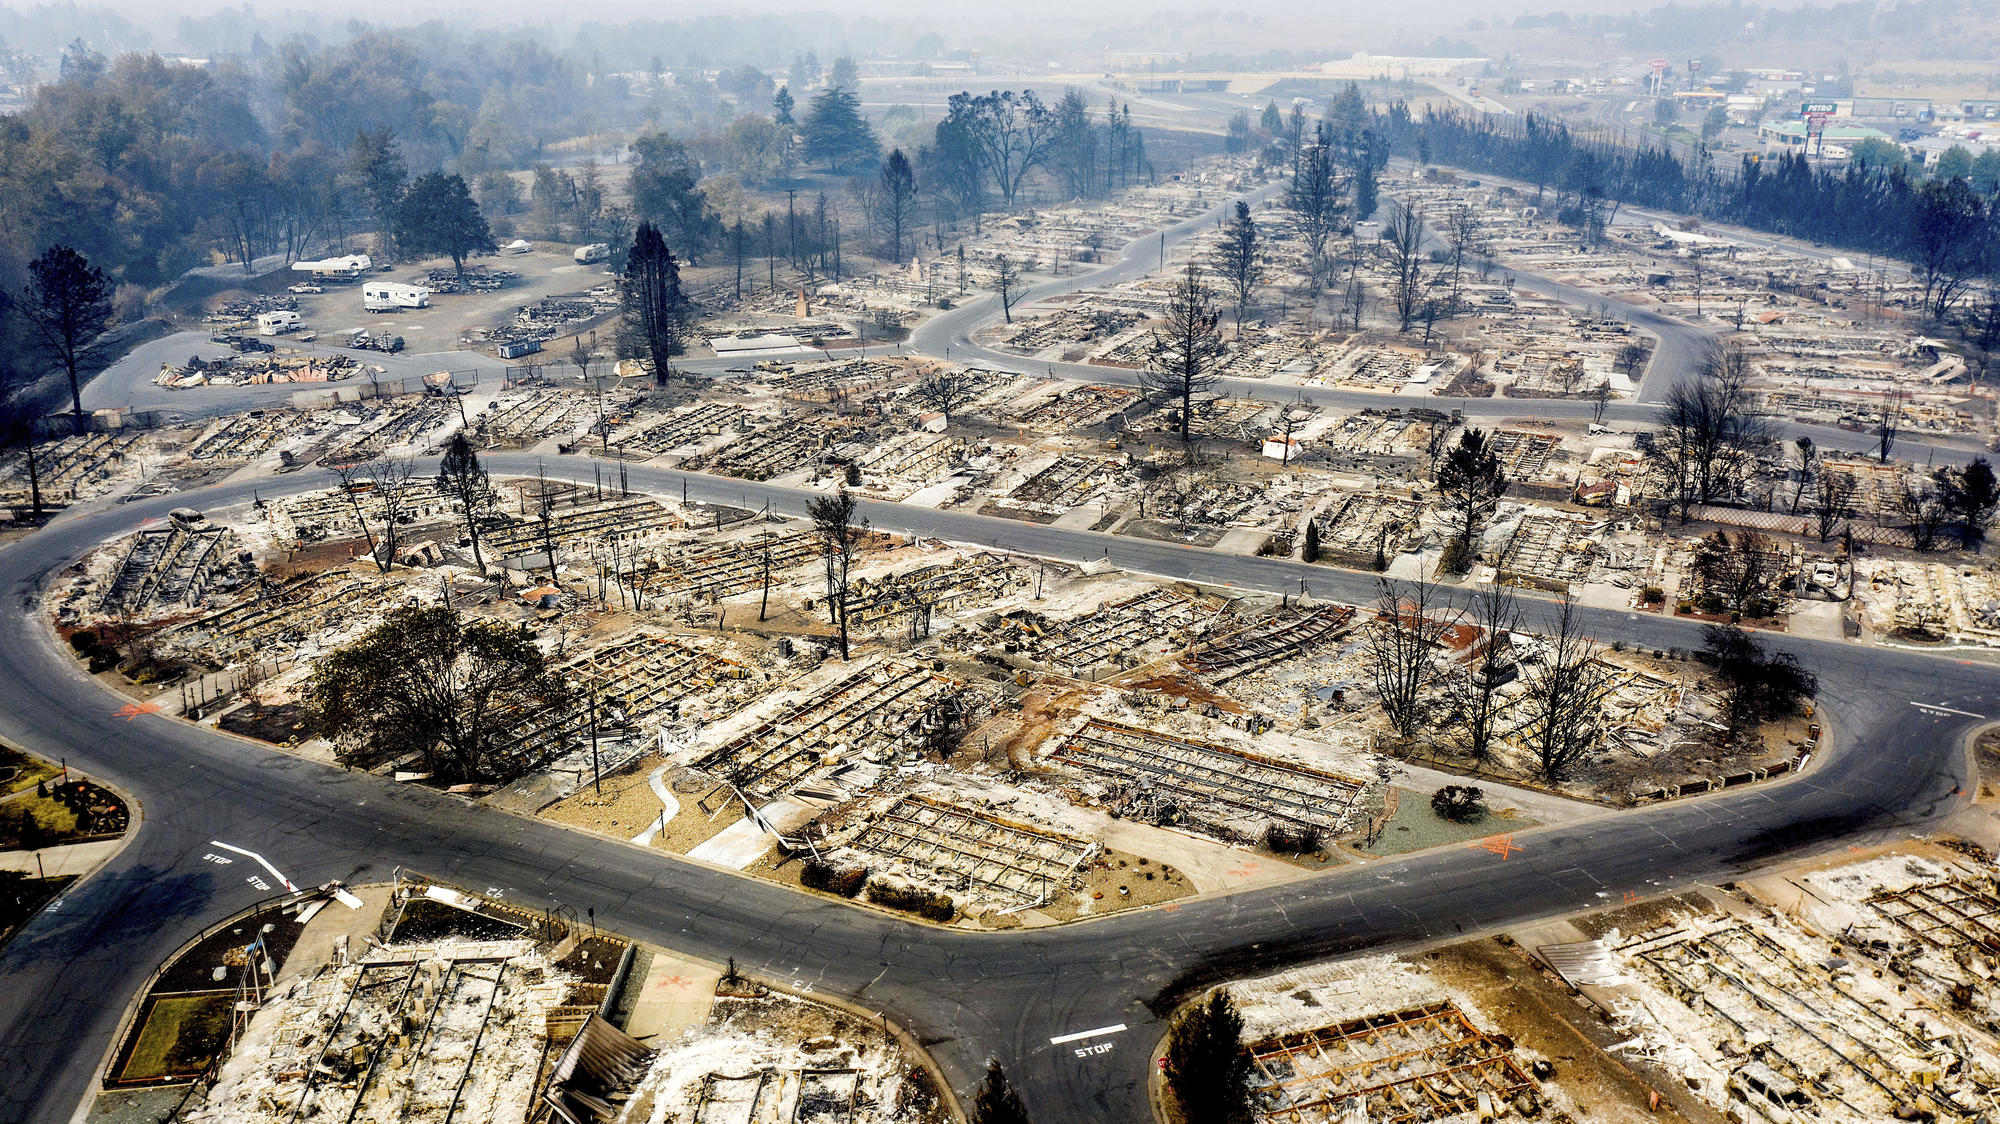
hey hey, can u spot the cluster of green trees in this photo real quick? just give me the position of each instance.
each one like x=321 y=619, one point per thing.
x=145 y=166
x=1945 y=227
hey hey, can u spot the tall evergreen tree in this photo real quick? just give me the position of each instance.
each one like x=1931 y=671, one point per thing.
x=996 y=1102
x=1185 y=350
x=836 y=134
x=375 y=165
x=1472 y=480
x=1236 y=259
x=657 y=312
x=68 y=300
x=893 y=202
x=1207 y=1068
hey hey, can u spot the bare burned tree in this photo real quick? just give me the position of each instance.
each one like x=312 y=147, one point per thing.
x=1833 y=500
x=1565 y=699
x=1888 y=422
x=1474 y=686
x=1737 y=568
x=1403 y=255
x=1925 y=512
x=1810 y=467
x=1600 y=399
x=463 y=478
x=839 y=529
x=545 y=514
x=1709 y=438
x=1411 y=622
x=1007 y=282
x=392 y=481
x=384 y=480
x=1467 y=234
x=944 y=391
x=1184 y=353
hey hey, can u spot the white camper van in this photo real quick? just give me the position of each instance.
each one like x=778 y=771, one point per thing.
x=277 y=323
x=591 y=254
x=387 y=296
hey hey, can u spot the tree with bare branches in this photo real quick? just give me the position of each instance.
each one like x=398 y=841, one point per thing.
x=1710 y=436
x=839 y=528
x=1473 y=687
x=1888 y=422
x=1564 y=705
x=385 y=480
x=1008 y=283
x=1402 y=250
x=464 y=479
x=1412 y=621
x=1833 y=500
x=944 y=390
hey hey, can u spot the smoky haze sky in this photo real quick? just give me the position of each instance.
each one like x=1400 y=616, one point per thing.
x=1055 y=22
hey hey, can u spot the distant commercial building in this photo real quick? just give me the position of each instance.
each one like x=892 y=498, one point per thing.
x=1926 y=150
x=1792 y=133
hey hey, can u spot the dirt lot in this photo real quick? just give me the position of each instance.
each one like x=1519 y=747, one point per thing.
x=1537 y=1011
x=628 y=806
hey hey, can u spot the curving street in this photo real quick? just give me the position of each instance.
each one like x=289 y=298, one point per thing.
x=1889 y=767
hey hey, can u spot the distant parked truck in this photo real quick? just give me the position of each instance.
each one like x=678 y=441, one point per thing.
x=592 y=254
x=362 y=341
x=277 y=323
x=387 y=296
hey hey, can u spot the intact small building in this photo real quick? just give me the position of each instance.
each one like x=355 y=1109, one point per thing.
x=1792 y=134
x=1926 y=150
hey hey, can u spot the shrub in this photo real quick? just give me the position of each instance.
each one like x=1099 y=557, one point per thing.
x=1653 y=595
x=913 y=899
x=1459 y=803
x=1288 y=839
x=853 y=474
x=1456 y=558
x=845 y=881
x=83 y=640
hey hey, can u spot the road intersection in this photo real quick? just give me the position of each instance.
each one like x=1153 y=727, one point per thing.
x=1070 y=1011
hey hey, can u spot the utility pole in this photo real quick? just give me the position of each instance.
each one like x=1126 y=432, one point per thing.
x=596 y=774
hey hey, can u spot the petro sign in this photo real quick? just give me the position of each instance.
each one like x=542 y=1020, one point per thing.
x=1825 y=108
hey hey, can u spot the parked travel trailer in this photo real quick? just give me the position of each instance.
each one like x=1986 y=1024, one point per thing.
x=344 y=268
x=387 y=296
x=277 y=323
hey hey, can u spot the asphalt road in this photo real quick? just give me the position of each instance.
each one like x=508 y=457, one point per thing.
x=1892 y=766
